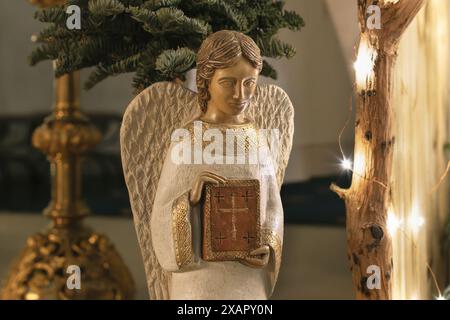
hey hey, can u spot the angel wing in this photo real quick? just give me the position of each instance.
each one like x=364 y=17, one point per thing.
x=275 y=111
x=147 y=125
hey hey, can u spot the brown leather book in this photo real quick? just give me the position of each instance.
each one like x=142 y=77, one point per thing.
x=231 y=220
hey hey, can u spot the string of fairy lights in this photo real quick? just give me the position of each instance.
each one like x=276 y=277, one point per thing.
x=364 y=74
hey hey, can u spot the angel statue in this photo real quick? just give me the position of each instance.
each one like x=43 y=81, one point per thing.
x=204 y=171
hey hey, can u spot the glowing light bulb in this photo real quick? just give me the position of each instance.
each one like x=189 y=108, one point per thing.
x=346 y=164
x=359 y=163
x=416 y=221
x=393 y=223
x=364 y=64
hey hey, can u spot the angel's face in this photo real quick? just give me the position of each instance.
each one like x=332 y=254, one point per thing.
x=231 y=89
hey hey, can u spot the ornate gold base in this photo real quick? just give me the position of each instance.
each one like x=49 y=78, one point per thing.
x=40 y=271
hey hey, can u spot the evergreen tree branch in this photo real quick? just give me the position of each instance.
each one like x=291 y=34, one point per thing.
x=174 y=63
x=268 y=71
x=156 y=39
x=106 y=7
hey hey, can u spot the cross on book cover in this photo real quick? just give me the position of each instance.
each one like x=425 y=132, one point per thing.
x=231 y=220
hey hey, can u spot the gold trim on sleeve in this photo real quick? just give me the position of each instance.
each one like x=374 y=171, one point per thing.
x=272 y=239
x=182 y=233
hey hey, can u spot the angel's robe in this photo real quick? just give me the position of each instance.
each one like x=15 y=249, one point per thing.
x=175 y=223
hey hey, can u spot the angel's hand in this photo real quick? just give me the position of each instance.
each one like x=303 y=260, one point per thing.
x=259 y=258
x=206 y=176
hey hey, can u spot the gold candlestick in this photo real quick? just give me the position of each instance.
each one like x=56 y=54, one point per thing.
x=42 y=269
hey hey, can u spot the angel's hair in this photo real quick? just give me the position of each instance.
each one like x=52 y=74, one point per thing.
x=221 y=50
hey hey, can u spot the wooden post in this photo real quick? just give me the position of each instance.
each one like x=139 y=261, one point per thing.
x=368 y=198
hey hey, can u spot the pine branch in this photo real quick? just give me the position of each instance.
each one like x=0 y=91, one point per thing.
x=174 y=20
x=142 y=15
x=44 y=52
x=106 y=7
x=225 y=9
x=268 y=71
x=174 y=63
x=128 y=64
x=293 y=21
x=154 y=5
x=55 y=33
x=156 y=39
x=275 y=48
x=55 y=15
